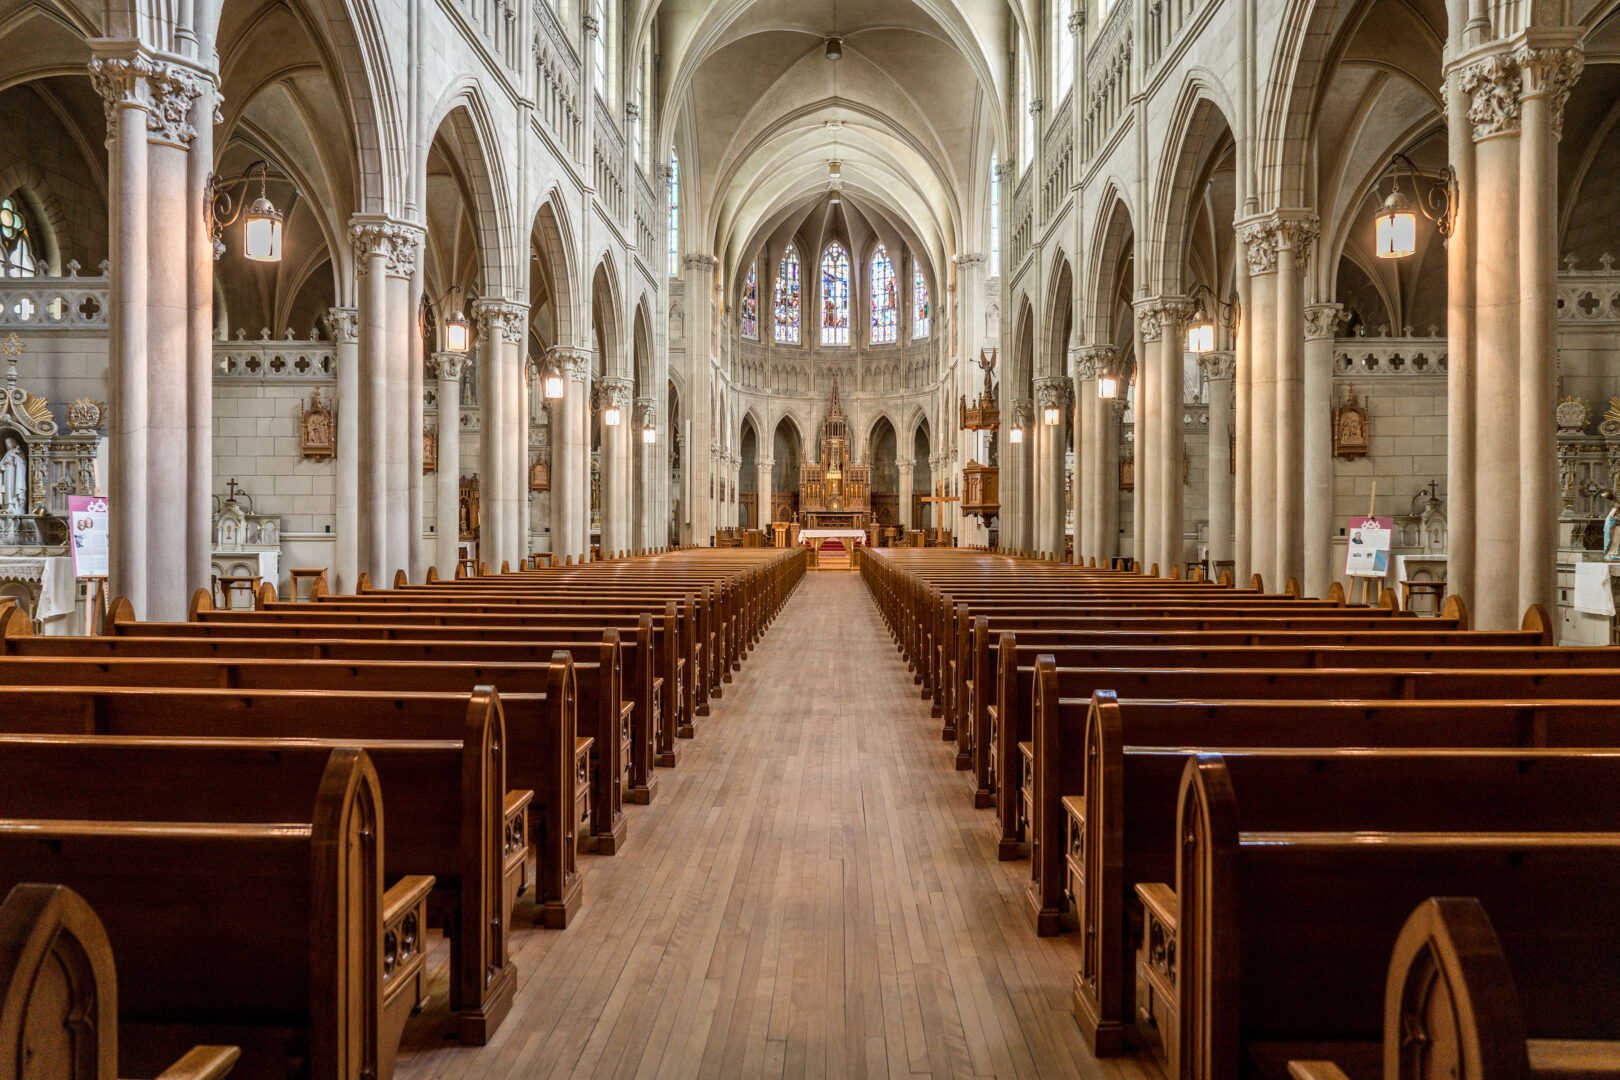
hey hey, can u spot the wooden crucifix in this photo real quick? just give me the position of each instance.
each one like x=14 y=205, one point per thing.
x=939 y=496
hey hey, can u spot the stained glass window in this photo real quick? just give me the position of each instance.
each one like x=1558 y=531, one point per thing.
x=995 y=215
x=885 y=299
x=16 y=240
x=922 y=312
x=787 y=298
x=750 y=304
x=674 y=214
x=835 y=295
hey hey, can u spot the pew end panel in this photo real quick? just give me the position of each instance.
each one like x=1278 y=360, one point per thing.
x=59 y=1000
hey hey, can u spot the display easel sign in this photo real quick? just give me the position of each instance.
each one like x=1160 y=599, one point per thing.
x=1367 y=548
x=87 y=524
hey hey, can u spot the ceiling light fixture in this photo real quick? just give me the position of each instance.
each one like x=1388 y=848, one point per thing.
x=835 y=48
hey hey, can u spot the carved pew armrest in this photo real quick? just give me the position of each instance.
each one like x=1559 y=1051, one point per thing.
x=404 y=956
x=582 y=790
x=1156 y=960
x=515 y=846
x=203 y=1063
x=1074 y=850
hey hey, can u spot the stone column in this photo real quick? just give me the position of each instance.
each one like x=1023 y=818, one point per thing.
x=1243 y=430
x=617 y=534
x=1016 y=472
x=1549 y=68
x=1052 y=392
x=1261 y=318
x=1219 y=368
x=1113 y=415
x=1461 y=360
x=967 y=327
x=903 y=495
x=571 y=457
x=1168 y=439
x=200 y=373
x=385 y=257
x=651 y=471
x=1322 y=322
x=1294 y=233
x=505 y=431
x=417 y=557
x=1093 y=427
x=447 y=486
x=1148 y=407
x=343 y=327
x=161 y=462
x=763 y=467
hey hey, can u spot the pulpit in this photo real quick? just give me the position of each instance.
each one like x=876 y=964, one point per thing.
x=981 y=489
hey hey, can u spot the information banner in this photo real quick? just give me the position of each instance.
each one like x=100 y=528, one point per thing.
x=1367 y=552
x=87 y=523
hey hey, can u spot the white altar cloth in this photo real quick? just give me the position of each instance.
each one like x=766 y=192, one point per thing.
x=57 y=595
x=856 y=536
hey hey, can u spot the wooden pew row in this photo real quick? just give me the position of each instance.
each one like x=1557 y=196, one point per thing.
x=59 y=994
x=452 y=818
x=541 y=750
x=1466 y=1001
x=1119 y=829
x=1262 y=980
x=678 y=654
x=276 y=938
x=1054 y=763
x=1012 y=680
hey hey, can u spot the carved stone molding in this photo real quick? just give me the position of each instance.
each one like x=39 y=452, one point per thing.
x=1324 y=320
x=575 y=364
x=970 y=262
x=1492 y=84
x=615 y=392
x=1264 y=236
x=632 y=111
x=342 y=324
x=1551 y=73
x=1093 y=360
x=1498 y=83
x=701 y=262
x=448 y=365
x=1036 y=105
x=1077 y=22
x=1054 y=392
x=593 y=26
x=396 y=242
x=1220 y=364
x=504 y=317
x=164 y=90
x=1023 y=409
x=1004 y=170
x=646 y=411
x=1260 y=245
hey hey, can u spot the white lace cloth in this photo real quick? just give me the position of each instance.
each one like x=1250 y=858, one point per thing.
x=57 y=594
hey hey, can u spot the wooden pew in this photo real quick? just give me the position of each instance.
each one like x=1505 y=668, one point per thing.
x=1466 y=1000
x=540 y=753
x=59 y=994
x=451 y=818
x=1283 y=934
x=278 y=938
x=1120 y=822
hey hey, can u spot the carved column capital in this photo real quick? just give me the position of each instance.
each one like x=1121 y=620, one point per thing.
x=1093 y=361
x=1550 y=73
x=1036 y=105
x=164 y=90
x=1054 y=392
x=1077 y=22
x=593 y=25
x=575 y=364
x=448 y=366
x=395 y=242
x=342 y=324
x=705 y=263
x=1324 y=320
x=503 y=317
x=615 y=392
x=1268 y=234
x=1218 y=365
x=969 y=263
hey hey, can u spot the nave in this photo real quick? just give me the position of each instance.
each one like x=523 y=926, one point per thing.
x=809 y=895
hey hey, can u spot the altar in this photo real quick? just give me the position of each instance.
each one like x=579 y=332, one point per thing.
x=835 y=493
x=832 y=548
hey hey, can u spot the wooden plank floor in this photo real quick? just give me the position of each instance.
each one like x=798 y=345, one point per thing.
x=811 y=895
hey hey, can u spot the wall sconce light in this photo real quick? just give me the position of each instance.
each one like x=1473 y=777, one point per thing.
x=1016 y=435
x=552 y=382
x=1050 y=415
x=261 y=221
x=649 y=434
x=610 y=415
x=1108 y=385
x=1395 y=224
x=457 y=331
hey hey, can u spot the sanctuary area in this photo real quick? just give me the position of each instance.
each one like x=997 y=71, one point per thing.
x=905 y=538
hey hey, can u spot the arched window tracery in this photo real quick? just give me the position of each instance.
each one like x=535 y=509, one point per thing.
x=922 y=310
x=835 y=295
x=786 y=306
x=749 y=314
x=18 y=251
x=885 y=299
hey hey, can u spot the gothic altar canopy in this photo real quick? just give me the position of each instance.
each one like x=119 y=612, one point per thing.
x=834 y=492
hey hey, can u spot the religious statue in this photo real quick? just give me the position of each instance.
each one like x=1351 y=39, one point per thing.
x=1350 y=427
x=316 y=429
x=1611 y=534
x=13 y=479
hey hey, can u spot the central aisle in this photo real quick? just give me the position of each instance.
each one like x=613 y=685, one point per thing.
x=811 y=894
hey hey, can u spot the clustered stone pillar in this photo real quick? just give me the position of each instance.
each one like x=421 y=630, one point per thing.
x=967 y=315
x=1054 y=392
x=650 y=471
x=571 y=457
x=616 y=531
x=161 y=430
x=763 y=468
x=1016 y=464
x=904 y=492
x=385 y=259
x=1322 y=322
x=343 y=327
x=1094 y=492
x=447 y=487
x=1516 y=91
x=1219 y=368
x=503 y=501
x=1169 y=437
